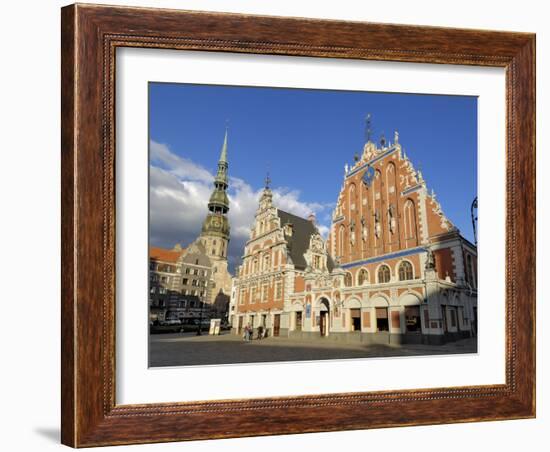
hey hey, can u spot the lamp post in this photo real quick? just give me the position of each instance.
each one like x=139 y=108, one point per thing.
x=473 y=213
x=199 y=331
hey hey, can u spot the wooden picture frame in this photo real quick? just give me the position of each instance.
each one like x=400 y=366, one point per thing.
x=90 y=36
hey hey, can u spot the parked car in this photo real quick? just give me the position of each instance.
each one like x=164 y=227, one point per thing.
x=165 y=326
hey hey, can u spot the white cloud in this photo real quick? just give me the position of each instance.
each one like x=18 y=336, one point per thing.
x=179 y=192
x=179 y=166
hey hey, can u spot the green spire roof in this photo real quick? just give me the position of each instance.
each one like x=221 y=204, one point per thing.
x=223 y=155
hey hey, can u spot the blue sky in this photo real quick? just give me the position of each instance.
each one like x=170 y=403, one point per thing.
x=305 y=137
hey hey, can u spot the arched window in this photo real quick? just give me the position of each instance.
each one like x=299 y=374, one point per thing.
x=363 y=277
x=348 y=280
x=405 y=271
x=384 y=274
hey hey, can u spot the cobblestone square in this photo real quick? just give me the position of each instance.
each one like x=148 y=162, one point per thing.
x=188 y=349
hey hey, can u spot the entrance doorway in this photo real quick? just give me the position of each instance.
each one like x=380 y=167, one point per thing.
x=240 y=328
x=323 y=323
x=412 y=319
x=298 y=323
x=276 y=324
x=382 y=323
x=324 y=310
x=355 y=319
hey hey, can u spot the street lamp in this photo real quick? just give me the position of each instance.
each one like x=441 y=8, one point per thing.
x=199 y=331
x=473 y=212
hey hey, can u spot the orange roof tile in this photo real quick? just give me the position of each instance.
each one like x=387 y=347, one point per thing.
x=164 y=255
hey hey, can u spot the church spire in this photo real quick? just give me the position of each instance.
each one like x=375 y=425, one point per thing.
x=219 y=202
x=221 y=175
x=223 y=155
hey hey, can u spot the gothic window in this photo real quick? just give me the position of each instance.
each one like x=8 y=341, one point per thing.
x=363 y=277
x=409 y=214
x=384 y=274
x=266 y=262
x=405 y=271
x=348 y=280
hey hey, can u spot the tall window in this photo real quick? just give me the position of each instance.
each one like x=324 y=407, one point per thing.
x=405 y=271
x=317 y=262
x=341 y=241
x=253 y=295
x=363 y=277
x=352 y=197
x=409 y=214
x=470 y=272
x=348 y=280
x=384 y=274
x=278 y=290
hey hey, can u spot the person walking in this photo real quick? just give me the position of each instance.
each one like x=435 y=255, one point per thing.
x=260 y=332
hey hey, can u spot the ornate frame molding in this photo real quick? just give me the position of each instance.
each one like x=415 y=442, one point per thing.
x=90 y=37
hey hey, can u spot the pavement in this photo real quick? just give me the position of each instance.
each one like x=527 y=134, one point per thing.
x=188 y=349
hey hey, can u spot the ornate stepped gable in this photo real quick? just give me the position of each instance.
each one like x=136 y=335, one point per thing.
x=384 y=206
x=279 y=242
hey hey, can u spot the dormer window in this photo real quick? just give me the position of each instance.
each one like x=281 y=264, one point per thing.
x=288 y=229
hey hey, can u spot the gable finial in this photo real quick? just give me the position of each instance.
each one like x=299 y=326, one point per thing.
x=267 y=179
x=368 y=130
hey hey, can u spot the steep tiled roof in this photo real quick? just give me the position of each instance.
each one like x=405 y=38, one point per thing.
x=302 y=230
x=164 y=255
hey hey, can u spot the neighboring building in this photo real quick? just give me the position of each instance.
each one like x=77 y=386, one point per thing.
x=194 y=282
x=276 y=258
x=164 y=280
x=401 y=273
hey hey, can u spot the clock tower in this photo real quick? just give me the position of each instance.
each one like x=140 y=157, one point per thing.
x=215 y=229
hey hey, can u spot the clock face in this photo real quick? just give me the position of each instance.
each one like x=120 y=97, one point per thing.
x=368 y=176
x=216 y=222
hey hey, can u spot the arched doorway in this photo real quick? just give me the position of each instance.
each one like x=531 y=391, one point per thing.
x=353 y=311
x=324 y=311
x=411 y=303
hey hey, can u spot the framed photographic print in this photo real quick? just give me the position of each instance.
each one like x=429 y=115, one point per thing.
x=282 y=225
